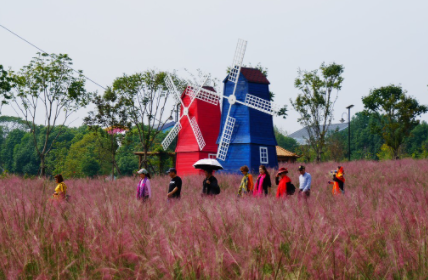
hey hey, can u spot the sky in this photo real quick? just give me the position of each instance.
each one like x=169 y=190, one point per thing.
x=379 y=42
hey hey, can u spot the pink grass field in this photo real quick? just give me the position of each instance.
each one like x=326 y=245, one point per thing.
x=377 y=230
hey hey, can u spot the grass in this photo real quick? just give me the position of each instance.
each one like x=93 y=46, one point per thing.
x=377 y=230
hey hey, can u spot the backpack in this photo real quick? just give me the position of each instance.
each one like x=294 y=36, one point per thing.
x=217 y=190
x=291 y=189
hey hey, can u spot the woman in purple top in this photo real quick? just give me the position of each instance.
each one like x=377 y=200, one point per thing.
x=144 y=190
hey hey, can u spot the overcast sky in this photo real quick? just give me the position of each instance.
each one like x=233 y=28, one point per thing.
x=378 y=42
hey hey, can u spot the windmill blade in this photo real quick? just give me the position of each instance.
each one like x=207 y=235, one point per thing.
x=171 y=135
x=197 y=132
x=206 y=95
x=237 y=61
x=171 y=87
x=223 y=146
x=197 y=90
x=260 y=104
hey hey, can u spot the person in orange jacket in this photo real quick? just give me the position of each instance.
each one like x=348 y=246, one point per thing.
x=338 y=181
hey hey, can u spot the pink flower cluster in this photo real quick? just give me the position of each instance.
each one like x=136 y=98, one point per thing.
x=378 y=229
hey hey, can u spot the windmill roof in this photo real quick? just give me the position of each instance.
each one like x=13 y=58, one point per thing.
x=254 y=75
x=280 y=151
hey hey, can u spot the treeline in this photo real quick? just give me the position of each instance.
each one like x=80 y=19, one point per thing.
x=76 y=152
x=367 y=145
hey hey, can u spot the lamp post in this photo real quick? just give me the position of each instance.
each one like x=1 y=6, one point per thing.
x=349 y=131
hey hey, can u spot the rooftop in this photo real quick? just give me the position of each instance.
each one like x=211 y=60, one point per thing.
x=301 y=136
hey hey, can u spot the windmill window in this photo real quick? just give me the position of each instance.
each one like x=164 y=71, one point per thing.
x=264 y=155
x=212 y=156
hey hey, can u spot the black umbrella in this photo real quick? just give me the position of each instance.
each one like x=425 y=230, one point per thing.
x=208 y=164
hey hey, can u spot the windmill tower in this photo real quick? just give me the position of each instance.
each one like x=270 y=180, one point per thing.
x=247 y=135
x=199 y=105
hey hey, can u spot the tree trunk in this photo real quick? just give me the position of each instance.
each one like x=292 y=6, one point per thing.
x=42 y=166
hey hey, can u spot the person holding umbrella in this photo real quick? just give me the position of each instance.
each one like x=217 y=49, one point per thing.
x=210 y=184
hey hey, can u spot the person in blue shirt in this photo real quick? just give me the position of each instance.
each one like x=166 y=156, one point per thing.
x=304 y=182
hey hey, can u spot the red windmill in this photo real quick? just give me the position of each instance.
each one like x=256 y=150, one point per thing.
x=198 y=106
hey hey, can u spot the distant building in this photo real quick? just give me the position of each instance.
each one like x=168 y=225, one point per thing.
x=285 y=156
x=302 y=136
x=167 y=126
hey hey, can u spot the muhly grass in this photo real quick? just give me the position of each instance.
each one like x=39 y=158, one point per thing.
x=377 y=230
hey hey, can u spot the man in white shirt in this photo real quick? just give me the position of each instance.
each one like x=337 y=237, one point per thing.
x=304 y=182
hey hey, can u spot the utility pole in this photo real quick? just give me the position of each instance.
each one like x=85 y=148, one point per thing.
x=349 y=131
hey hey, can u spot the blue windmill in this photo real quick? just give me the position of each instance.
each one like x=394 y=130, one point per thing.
x=247 y=135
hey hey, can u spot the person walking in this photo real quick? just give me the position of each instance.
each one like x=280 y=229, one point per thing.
x=243 y=187
x=305 y=180
x=61 y=188
x=210 y=185
x=144 y=190
x=263 y=183
x=338 y=181
x=174 y=190
x=285 y=187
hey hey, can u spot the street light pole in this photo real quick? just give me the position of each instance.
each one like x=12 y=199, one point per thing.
x=349 y=131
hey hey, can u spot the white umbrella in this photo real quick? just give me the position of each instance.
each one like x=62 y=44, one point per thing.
x=207 y=163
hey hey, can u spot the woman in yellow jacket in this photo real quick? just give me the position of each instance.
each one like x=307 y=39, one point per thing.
x=61 y=189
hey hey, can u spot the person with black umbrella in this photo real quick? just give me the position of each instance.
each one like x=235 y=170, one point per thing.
x=210 y=185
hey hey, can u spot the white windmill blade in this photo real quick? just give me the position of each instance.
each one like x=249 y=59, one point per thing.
x=237 y=61
x=171 y=135
x=197 y=132
x=197 y=90
x=223 y=146
x=206 y=95
x=171 y=87
x=263 y=105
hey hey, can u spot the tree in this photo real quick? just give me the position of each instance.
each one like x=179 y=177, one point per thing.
x=111 y=115
x=6 y=85
x=417 y=144
x=335 y=146
x=145 y=98
x=47 y=87
x=284 y=141
x=90 y=147
x=7 y=153
x=315 y=102
x=396 y=113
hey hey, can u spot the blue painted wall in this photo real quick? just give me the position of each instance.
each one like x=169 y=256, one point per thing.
x=252 y=128
x=249 y=155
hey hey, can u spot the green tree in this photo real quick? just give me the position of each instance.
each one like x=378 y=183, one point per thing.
x=91 y=146
x=335 y=143
x=364 y=144
x=315 y=102
x=145 y=96
x=112 y=115
x=48 y=87
x=6 y=85
x=396 y=113
x=7 y=152
x=90 y=167
x=416 y=145
x=25 y=159
x=284 y=141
